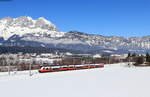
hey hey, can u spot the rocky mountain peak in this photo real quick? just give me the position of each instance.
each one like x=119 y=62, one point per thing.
x=26 y=21
x=25 y=24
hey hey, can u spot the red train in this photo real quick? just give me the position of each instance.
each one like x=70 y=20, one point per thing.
x=53 y=68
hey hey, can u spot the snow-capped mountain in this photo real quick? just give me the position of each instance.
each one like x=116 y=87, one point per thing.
x=25 y=31
x=26 y=25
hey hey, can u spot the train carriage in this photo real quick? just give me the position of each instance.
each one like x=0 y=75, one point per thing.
x=54 y=68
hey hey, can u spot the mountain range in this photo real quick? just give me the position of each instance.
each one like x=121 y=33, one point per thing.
x=25 y=31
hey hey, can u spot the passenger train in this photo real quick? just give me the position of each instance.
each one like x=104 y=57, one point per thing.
x=53 y=68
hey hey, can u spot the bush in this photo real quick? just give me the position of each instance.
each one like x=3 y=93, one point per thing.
x=139 y=61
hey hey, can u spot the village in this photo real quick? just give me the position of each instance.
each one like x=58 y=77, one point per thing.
x=20 y=61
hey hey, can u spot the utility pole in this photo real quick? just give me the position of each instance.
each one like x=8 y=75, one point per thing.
x=129 y=61
x=73 y=61
x=144 y=60
x=8 y=68
x=30 y=69
x=8 y=63
x=108 y=60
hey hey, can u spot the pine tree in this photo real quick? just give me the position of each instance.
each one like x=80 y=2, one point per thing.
x=129 y=55
x=147 y=57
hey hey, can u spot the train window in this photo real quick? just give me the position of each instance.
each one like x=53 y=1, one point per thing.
x=82 y=65
x=71 y=66
x=55 y=67
x=92 y=64
x=65 y=66
x=96 y=64
x=43 y=68
x=79 y=65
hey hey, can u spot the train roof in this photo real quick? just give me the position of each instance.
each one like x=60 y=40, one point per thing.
x=67 y=65
x=49 y=65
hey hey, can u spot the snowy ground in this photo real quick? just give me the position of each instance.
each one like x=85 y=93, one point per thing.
x=111 y=81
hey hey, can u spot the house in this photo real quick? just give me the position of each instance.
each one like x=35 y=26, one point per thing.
x=97 y=56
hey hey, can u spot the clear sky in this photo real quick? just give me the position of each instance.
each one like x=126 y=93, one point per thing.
x=103 y=17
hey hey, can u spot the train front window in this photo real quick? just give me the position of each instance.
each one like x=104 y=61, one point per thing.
x=42 y=68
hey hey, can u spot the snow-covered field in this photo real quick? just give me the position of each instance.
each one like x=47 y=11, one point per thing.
x=111 y=81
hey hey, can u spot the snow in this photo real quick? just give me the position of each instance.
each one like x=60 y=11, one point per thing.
x=43 y=19
x=107 y=51
x=26 y=25
x=100 y=82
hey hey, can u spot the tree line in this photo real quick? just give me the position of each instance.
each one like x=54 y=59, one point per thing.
x=139 y=59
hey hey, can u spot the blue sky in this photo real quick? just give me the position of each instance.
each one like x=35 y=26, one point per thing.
x=103 y=17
